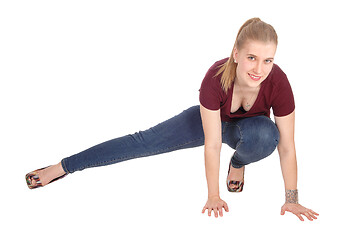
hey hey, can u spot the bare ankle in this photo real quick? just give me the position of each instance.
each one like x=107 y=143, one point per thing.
x=59 y=169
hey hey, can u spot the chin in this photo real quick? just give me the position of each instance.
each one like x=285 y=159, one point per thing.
x=253 y=83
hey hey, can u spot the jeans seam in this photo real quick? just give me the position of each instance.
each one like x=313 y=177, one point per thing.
x=237 y=145
x=240 y=137
x=142 y=155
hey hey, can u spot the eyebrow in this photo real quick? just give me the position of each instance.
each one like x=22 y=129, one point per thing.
x=250 y=54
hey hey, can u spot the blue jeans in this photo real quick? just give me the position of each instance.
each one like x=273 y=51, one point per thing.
x=252 y=138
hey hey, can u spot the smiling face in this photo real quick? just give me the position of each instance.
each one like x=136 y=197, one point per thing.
x=254 y=62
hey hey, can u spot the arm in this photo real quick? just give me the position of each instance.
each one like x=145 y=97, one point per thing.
x=286 y=150
x=288 y=162
x=211 y=121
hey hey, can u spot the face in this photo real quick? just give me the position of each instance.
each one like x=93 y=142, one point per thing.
x=254 y=62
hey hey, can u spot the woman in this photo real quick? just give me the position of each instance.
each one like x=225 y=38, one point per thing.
x=235 y=100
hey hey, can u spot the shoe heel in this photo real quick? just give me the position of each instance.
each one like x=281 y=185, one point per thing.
x=238 y=184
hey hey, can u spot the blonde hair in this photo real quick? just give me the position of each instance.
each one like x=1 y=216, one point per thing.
x=252 y=29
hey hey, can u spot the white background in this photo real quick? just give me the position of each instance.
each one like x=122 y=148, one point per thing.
x=77 y=73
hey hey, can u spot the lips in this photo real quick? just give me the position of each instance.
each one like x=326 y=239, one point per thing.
x=254 y=77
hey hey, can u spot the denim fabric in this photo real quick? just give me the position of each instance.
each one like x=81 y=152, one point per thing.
x=253 y=139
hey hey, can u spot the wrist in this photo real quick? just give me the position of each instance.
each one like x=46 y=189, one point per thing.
x=213 y=195
x=291 y=196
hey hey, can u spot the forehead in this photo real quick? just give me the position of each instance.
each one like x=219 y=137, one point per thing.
x=259 y=49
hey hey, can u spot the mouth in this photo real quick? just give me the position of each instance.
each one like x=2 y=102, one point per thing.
x=254 y=77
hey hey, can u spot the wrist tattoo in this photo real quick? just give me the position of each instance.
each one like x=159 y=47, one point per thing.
x=291 y=196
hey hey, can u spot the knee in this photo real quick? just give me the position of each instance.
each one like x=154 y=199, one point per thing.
x=267 y=133
x=259 y=139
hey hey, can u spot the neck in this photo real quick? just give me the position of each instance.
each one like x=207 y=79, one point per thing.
x=244 y=87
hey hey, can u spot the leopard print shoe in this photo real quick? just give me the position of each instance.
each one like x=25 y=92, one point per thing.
x=34 y=176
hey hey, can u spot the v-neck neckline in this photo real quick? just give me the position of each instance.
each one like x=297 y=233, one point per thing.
x=231 y=91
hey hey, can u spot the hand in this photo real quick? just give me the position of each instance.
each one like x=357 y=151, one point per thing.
x=216 y=204
x=297 y=210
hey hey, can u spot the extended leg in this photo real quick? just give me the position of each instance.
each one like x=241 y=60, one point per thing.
x=181 y=131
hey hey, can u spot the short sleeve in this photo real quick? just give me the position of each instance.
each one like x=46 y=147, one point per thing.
x=210 y=91
x=283 y=100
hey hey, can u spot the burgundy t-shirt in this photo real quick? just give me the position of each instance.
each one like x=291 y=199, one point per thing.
x=275 y=93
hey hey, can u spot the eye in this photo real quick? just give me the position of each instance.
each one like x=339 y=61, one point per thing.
x=268 y=61
x=251 y=58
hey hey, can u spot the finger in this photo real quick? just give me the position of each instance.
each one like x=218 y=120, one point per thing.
x=204 y=209
x=308 y=216
x=215 y=212
x=312 y=215
x=220 y=212
x=310 y=210
x=284 y=209
x=300 y=217
x=209 y=212
x=226 y=207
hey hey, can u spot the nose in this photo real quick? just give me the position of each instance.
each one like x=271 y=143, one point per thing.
x=258 y=68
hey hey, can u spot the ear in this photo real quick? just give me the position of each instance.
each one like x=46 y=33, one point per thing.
x=235 y=54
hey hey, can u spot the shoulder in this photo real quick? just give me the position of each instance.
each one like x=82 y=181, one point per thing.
x=282 y=95
x=277 y=74
x=212 y=71
x=211 y=92
x=277 y=77
x=216 y=66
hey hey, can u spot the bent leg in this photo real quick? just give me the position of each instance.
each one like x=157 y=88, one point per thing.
x=179 y=132
x=253 y=139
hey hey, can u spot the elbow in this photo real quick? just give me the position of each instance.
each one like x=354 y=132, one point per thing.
x=213 y=146
x=286 y=150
